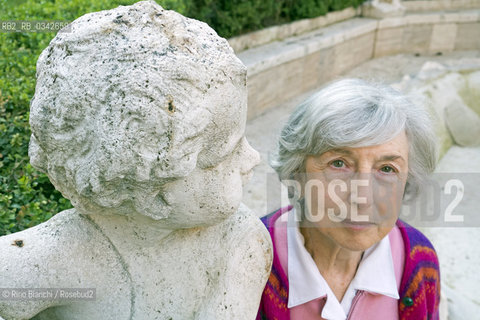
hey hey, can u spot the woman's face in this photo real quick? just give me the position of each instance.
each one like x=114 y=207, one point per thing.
x=353 y=195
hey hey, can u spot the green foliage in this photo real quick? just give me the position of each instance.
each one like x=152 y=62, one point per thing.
x=233 y=17
x=26 y=196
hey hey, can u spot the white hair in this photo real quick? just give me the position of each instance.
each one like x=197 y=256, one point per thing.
x=356 y=113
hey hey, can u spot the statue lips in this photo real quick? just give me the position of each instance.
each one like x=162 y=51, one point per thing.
x=247 y=176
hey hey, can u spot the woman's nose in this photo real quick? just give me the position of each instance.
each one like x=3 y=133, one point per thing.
x=361 y=190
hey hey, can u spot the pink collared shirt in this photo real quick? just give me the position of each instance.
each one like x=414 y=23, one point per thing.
x=372 y=294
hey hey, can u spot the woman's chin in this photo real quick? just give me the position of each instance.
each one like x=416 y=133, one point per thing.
x=357 y=238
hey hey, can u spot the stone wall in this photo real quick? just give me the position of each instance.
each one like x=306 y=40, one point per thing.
x=282 y=69
x=430 y=32
x=276 y=33
x=437 y=5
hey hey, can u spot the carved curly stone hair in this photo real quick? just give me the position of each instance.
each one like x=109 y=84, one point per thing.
x=129 y=99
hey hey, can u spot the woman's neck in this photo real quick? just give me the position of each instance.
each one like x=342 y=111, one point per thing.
x=336 y=264
x=329 y=257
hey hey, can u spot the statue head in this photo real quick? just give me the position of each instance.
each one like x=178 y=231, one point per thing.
x=139 y=110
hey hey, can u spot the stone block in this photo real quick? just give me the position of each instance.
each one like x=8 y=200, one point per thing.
x=276 y=85
x=463 y=16
x=393 y=22
x=468 y=36
x=389 y=42
x=471 y=93
x=336 y=16
x=292 y=74
x=281 y=32
x=271 y=55
x=452 y=17
x=443 y=37
x=353 y=52
x=436 y=95
x=426 y=18
x=321 y=21
x=463 y=124
x=317 y=69
x=416 y=38
x=273 y=86
x=438 y=5
x=311 y=70
x=431 y=70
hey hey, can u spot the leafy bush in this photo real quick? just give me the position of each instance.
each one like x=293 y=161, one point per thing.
x=233 y=17
x=26 y=195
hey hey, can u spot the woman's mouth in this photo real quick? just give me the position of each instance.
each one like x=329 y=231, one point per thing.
x=357 y=225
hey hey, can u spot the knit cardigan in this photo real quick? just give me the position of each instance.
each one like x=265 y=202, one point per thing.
x=419 y=288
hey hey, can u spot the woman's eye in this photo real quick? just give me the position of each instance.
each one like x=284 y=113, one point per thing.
x=338 y=163
x=387 y=169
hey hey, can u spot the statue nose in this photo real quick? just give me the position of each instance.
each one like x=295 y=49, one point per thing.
x=250 y=158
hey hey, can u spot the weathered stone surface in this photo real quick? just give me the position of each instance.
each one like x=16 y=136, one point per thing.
x=450 y=92
x=431 y=70
x=470 y=36
x=439 y=5
x=383 y=9
x=436 y=95
x=353 y=52
x=282 y=70
x=318 y=69
x=471 y=93
x=457 y=247
x=416 y=38
x=298 y=76
x=138 y=118
x=463 y=124
x=389 y=42
x=281 y=32
x=418 y=33
x=264 y=88
x=443 y=37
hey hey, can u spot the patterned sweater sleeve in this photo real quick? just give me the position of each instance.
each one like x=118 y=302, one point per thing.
x=420 y=285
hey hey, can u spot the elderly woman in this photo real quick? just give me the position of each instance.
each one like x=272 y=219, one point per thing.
x=356 y=150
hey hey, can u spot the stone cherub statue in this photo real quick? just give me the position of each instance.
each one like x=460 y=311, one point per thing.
x=138 y=118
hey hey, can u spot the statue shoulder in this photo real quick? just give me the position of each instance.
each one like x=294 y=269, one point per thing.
x=249 y=255
x=67 y=251
x=66 y=234
x=245 y=222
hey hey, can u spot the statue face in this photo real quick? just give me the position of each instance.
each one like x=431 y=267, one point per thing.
x=208 y=195
x=125 y=130
x=213 y=190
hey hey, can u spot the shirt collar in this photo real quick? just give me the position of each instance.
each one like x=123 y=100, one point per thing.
x=375 y=273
